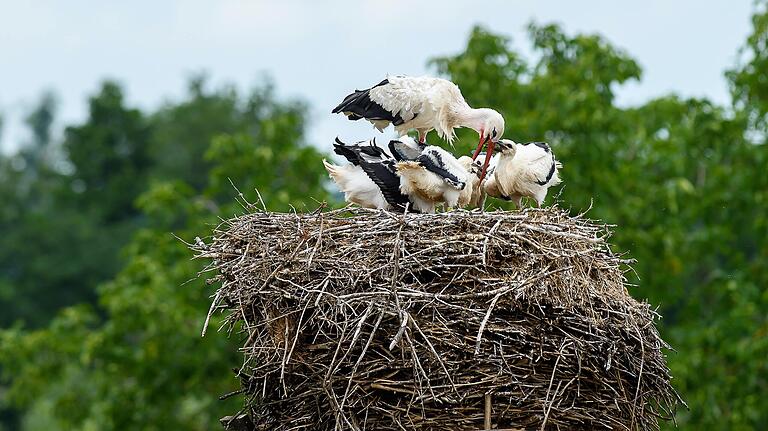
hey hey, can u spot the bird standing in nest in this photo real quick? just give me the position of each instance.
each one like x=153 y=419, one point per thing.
x=423 y=103
x=520 y=171
x=435 y=177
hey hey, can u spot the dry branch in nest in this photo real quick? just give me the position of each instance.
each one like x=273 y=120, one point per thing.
x=364 y=320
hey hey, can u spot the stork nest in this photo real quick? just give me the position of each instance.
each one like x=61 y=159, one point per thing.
x=366 y=320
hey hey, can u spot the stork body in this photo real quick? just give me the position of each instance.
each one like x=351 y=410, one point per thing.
x=522 y=171
x=422 y=103
x=434 y=178
x=424 y=176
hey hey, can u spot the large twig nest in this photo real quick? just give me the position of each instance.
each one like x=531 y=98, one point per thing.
x=360 y=319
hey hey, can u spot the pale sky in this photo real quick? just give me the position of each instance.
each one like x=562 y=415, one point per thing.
x=321 y=50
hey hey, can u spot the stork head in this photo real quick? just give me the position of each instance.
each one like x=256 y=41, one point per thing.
x=492 y=127
x=507 y=147
x=467 y=163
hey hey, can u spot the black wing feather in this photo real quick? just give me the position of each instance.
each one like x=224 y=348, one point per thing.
x=352 y=152
x=378 y=166
x=437 y=167
x=384 y=176
x=359 y=105
x=550 y=174
x=347 y=152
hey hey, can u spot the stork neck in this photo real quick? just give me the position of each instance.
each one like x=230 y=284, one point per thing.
x=474 y=118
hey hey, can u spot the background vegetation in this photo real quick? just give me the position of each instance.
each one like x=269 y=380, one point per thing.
x=101 y=330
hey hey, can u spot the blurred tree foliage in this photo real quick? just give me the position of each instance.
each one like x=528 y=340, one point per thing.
x=50 y=253
x=136 y=359
x=110 y=157
x=749 y=83
x=682 y=178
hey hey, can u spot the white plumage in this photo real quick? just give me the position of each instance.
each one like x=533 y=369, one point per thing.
x=422 y=103
x=357 y=187
x=522 y=171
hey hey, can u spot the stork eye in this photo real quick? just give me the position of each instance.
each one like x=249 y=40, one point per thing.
x=493 y=134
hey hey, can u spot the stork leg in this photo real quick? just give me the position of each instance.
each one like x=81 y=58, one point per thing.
x=488 y=156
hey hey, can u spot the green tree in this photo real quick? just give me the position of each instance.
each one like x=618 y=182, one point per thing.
x=110 y=156
x=183 y=130
x=63 y=230
x=37 y=153
x=137 y=361
x=748 y=82
x=44 y=261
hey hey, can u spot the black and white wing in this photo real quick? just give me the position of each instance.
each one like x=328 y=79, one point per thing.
x=368 y=104
x=399 y=100
x=405 y=148
x=444 y=164
x=378 y=166
x=352 y=152
x=540 y=162
x=383 y=174
x=357 y=187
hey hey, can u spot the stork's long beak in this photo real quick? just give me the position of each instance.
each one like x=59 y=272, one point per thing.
x=483 y=140
x=488 y=155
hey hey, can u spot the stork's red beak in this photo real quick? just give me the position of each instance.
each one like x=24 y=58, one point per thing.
x=488 y=156
x=483 y=140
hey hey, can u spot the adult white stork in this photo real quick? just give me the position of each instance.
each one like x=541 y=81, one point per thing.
x=522 y=171
x=423 y=103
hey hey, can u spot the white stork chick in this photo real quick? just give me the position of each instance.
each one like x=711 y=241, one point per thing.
x=435 y=177
x=522 y=171
x=356 y=186
x=405 y=148
x=369 y=180
x=423 y=103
